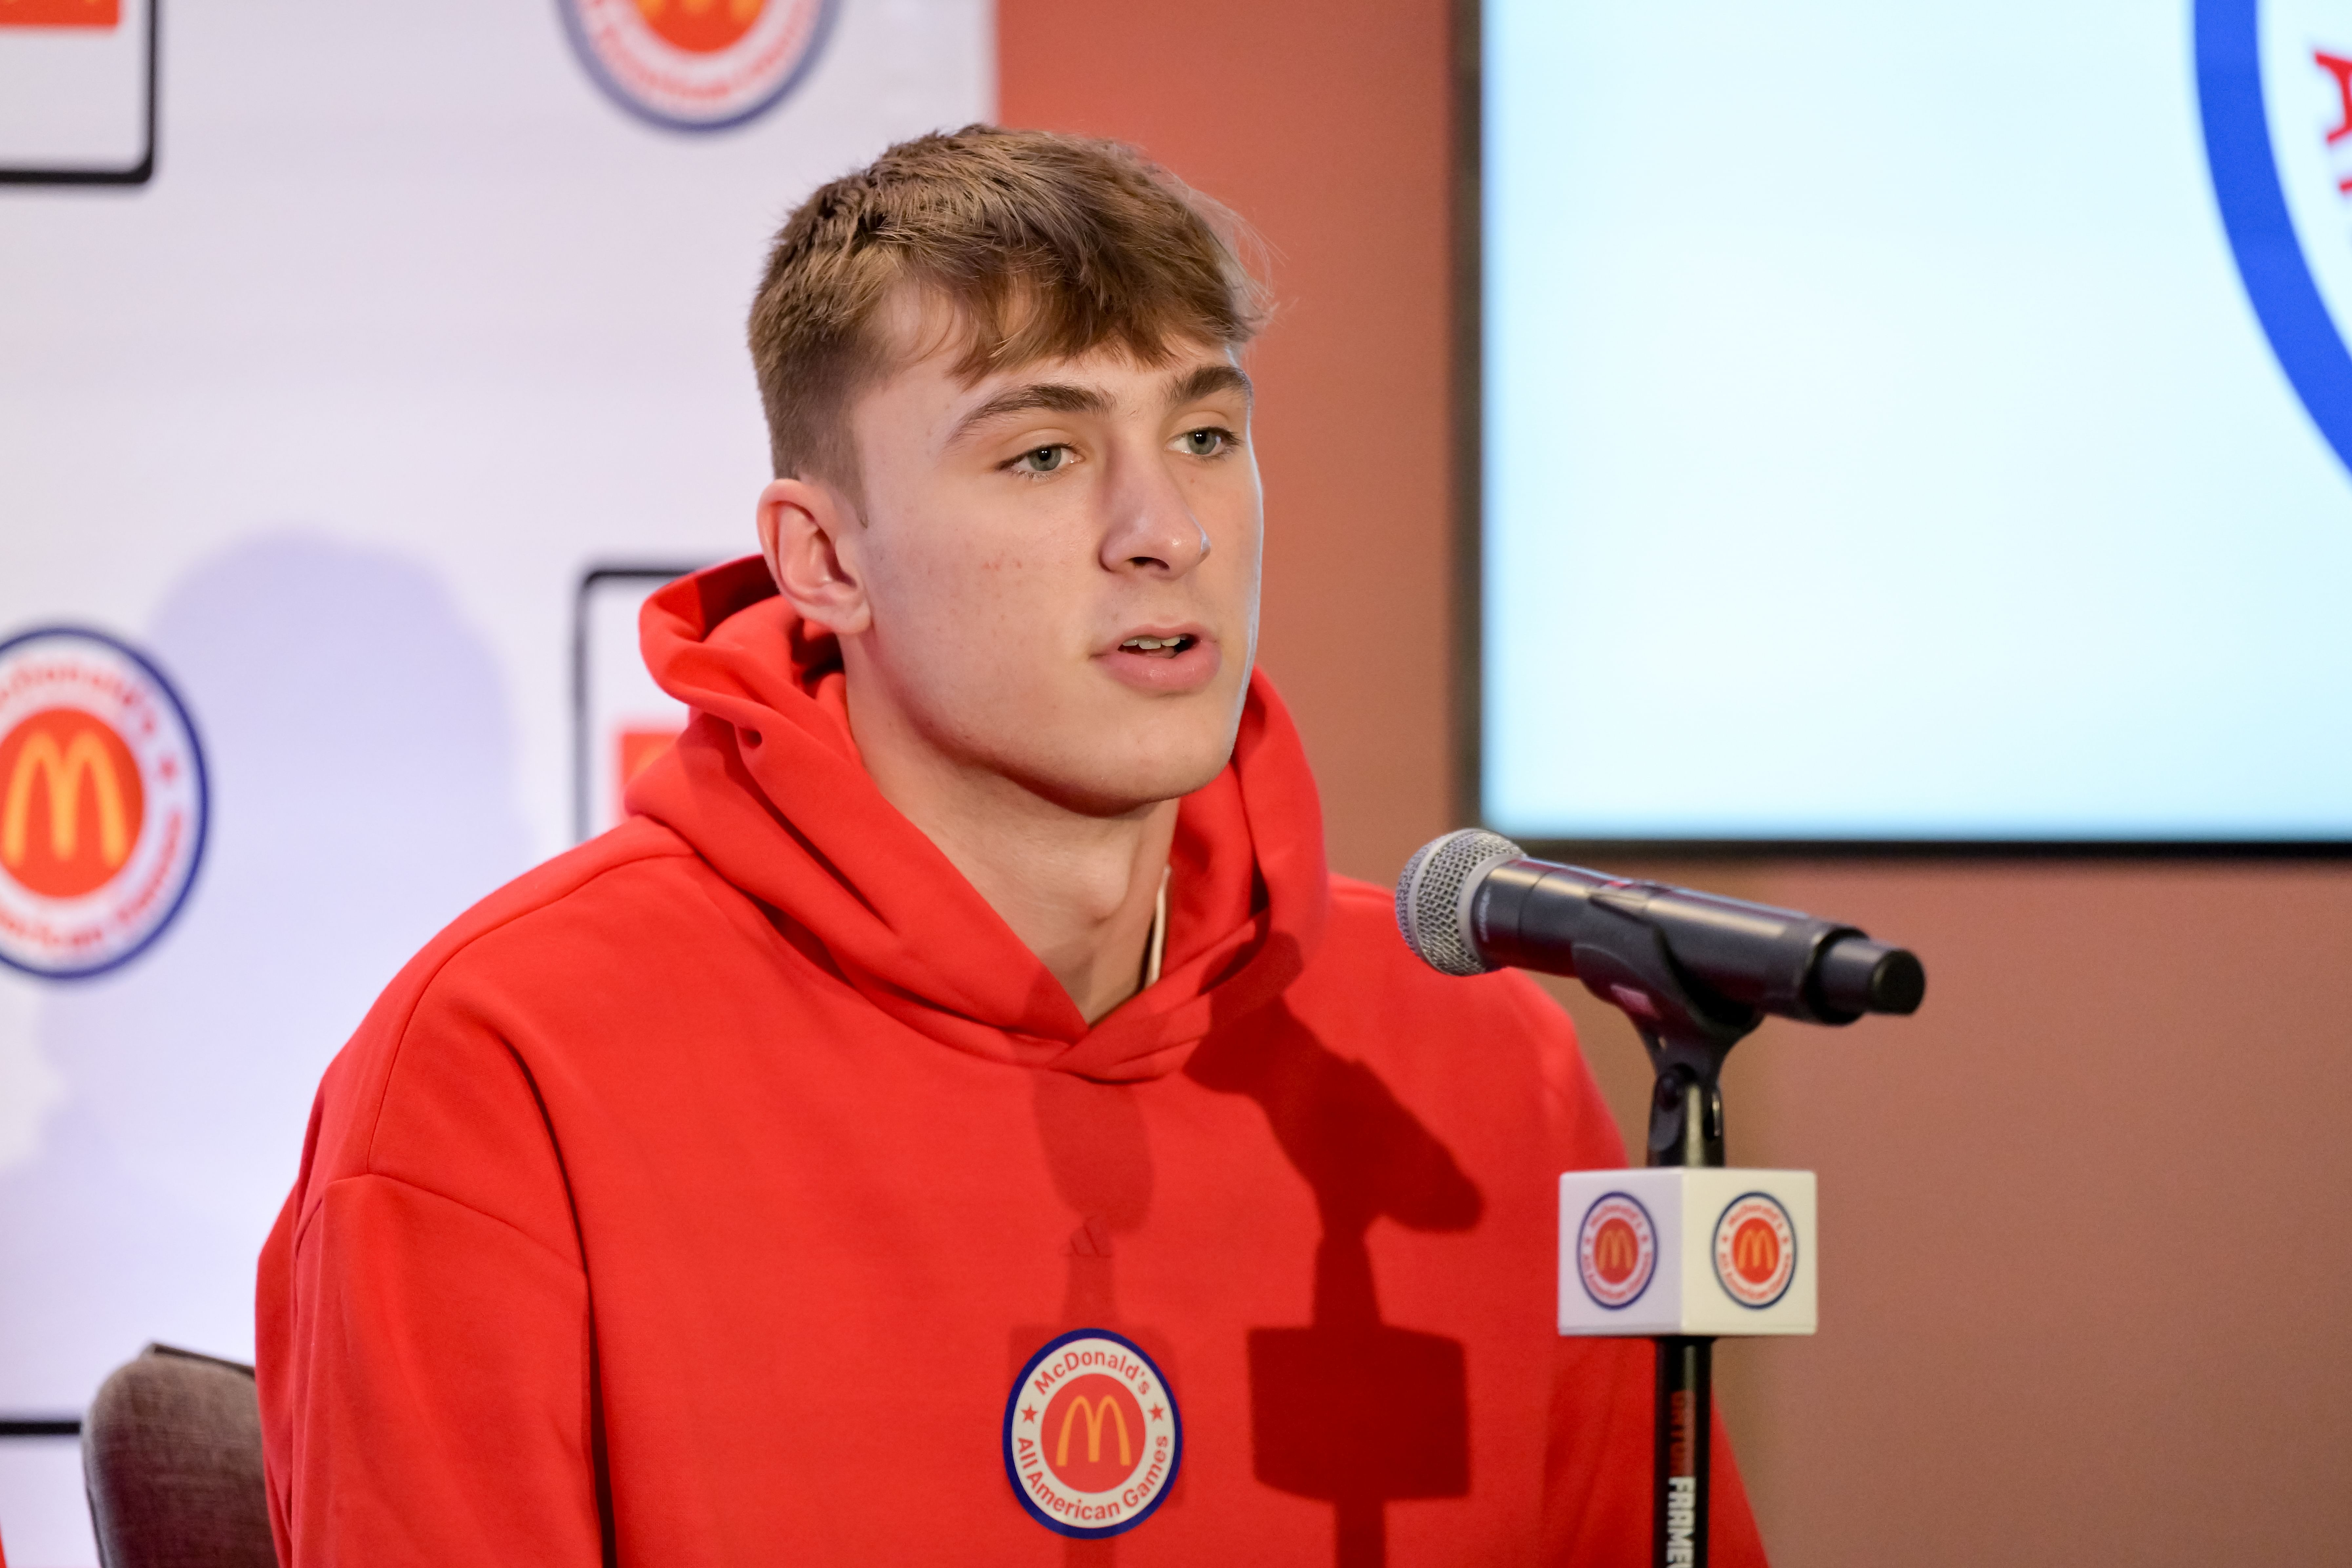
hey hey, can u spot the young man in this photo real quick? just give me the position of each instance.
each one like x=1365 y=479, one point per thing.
x=959 y=1110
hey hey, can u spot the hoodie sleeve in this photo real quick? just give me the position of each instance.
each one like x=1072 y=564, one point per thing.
x=1598 y=1479
x=423 y=1336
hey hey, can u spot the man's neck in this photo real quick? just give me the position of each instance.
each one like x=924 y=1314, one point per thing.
x=1080 y=890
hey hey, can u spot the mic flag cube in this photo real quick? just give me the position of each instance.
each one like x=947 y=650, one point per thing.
x=1677 y=1250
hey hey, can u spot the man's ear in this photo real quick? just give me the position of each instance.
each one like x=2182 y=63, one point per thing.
x=808 y=531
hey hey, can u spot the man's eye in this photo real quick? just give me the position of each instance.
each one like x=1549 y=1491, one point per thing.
x=1206 y=442
x=1042 y=459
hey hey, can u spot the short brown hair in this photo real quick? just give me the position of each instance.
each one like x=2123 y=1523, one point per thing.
x=1045 y=247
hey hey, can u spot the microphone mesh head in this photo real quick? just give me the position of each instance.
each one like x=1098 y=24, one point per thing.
x=1433 y=897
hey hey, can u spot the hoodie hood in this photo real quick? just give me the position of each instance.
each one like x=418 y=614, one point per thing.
x=766 y=785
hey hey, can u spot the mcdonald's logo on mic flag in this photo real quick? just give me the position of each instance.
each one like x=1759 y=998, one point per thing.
x=1616 y=1250
x=1755 y=1249
x=101 y=802
x=1092 y=1437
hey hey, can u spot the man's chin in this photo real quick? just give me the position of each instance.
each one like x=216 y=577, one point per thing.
x=1132 y=787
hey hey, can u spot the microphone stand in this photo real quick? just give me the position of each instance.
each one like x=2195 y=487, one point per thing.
x=1472 y=901
x=1687 y=1031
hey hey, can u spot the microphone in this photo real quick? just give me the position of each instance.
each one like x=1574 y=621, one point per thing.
x=1473 y=901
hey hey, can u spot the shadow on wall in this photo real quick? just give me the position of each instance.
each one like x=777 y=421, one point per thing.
x=360 y=755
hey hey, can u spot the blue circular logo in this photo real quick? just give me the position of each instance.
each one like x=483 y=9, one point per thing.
x=1754 y=1249
x=2275 y=93
x=102 y=802
x=1092 y=1439
x=1616 y=1250
x=698 y=64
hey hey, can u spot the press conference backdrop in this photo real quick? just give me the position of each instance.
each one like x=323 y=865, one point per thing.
x=422 y=312
x=1918 y=424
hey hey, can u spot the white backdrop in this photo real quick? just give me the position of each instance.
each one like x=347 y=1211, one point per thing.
x=413 y=326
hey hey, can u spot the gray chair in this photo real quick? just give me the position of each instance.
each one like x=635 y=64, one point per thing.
x=171 y=1453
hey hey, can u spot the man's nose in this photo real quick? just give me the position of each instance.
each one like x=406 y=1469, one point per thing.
x=1151 y=526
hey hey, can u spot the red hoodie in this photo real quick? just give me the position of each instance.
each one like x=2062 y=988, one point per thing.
x=708 y=1196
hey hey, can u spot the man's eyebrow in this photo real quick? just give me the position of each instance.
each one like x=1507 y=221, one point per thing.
x=1207 y=381
x=1051 y=397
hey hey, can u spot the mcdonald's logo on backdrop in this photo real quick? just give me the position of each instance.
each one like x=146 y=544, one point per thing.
x=70 y=801
x=102 y=802
x=695 y=65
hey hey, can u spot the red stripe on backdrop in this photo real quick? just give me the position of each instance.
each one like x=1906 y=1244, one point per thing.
x=60 y=13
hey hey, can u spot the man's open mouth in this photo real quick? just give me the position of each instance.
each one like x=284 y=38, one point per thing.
x=1161 y=648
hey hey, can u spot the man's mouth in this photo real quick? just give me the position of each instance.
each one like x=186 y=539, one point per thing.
x=1158 y=648
x=1170 y=661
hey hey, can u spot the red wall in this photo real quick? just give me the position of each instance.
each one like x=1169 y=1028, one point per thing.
x=1325 y=126
x=2087 y=1217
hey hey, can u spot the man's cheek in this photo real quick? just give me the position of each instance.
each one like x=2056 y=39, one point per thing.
x=1002 y=665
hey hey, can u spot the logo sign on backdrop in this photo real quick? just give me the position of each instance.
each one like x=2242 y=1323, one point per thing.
x=622 y=722
x=1616 y=1250
x=1091 y=1436
x=77 y=91
x=697 y=65
x=2275 y=90
x=102 y=803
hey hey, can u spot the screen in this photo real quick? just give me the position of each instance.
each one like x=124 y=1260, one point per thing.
x=1916 y=423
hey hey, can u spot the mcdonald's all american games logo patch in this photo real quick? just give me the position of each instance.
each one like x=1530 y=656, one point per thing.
x=1616 y=1250
x=102 y=803
x=697 y=65
x=1091 y=1436
x=1755 y=1250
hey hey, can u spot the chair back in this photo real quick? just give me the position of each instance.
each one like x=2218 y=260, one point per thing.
x=171 y=1453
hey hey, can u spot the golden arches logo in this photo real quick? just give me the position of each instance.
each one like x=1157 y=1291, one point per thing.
x=63 y=771
x=71 y=804
x=1756 y=1251
x=1615 y=1252
x=1094 y=1410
